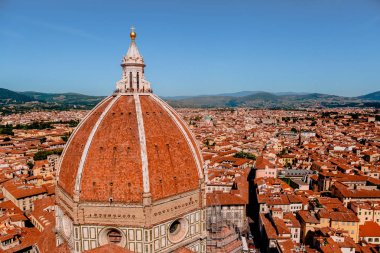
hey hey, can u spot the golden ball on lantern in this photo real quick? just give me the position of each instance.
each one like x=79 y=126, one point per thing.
x=133 y=35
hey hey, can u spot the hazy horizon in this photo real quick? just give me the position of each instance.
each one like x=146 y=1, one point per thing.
x=195 y=95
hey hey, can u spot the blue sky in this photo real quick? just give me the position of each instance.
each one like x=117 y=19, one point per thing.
x=193 y=47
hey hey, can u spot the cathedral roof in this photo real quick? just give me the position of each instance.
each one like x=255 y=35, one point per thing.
x=131 y=162
x=128 y=145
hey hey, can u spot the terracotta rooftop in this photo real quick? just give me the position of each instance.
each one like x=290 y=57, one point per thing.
x=307 y=217
x=356 y=193
x=20 y=190
x=183 y=250
x=109 y=248
x=369 y=229
x=262 y=163
x=223 y=198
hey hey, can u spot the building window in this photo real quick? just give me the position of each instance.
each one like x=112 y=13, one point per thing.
x=114 y=236
x=138 y=81
x=130 y=80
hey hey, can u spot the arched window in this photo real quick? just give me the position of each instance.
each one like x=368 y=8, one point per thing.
x=138 y=81
x=130 y=80
x=114 y=236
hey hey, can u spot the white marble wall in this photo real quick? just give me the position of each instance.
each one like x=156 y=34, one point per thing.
x=140 y=240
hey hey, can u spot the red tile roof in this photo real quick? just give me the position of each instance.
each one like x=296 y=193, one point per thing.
x=109 y=248
x=20 y=190
x=369 y=229
x=219 y=198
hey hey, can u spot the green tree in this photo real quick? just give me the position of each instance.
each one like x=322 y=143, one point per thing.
x=209 y=143
x=6 y=129
x=35 y=125
x=246 y=155
x=30 y=165
x=73 y=123
x=66 y=137
x=283 y=151
x=42 y=155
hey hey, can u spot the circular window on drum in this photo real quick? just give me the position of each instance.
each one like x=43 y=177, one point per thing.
x=178 y=230
x=111 y=235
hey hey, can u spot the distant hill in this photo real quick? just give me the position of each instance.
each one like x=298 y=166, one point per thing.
x=233 y=94
x=284 y=100
x=239 y=94
x=371 y=96
x=19 y=102
x=200 y=101
x=247 y=93
x=236 y=94
x=64 y=98
x=290 y=93
x=315 y=96
x=253 y=99
x=9 y=97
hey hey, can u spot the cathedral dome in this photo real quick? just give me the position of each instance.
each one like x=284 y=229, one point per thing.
x=128 y=145
x=131 y=174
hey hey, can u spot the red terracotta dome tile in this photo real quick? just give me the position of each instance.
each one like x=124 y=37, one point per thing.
x=113 y=148
x=74 y=148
